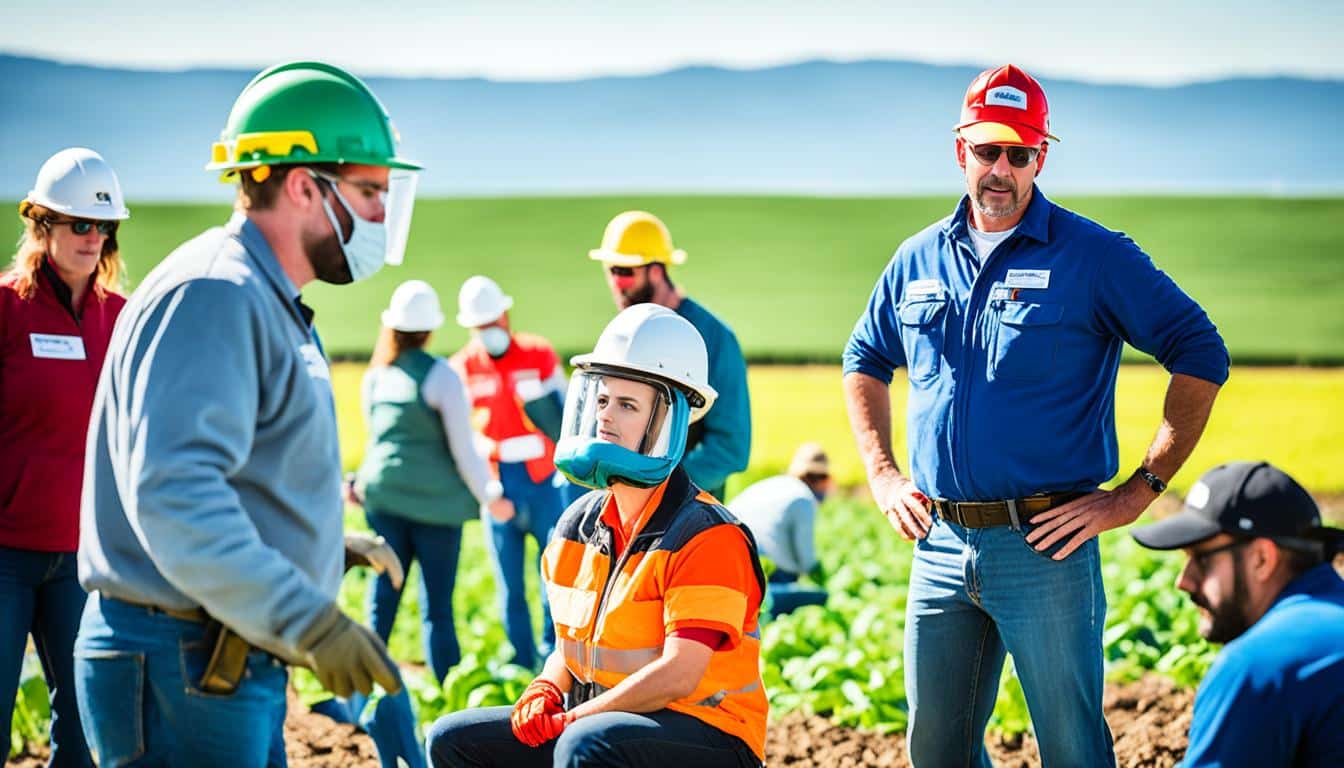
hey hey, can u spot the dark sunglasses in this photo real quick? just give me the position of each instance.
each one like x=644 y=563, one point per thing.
x=84 y=227
x=1018 y=157
x=624 y=271
x=1201 y=559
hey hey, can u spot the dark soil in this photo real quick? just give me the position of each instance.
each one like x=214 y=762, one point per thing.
x=1149 y=720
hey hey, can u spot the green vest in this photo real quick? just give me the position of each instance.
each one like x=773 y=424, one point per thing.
x=408 y=470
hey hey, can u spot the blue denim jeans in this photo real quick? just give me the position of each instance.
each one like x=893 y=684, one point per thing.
x=978 y=593
x=478 y=738
x=136 y=675
x=538 y=507
x=436 y=548
x=390 y=723
x=787 y=595
x=40 y=594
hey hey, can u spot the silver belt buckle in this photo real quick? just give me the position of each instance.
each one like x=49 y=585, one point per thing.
x=1012 y=514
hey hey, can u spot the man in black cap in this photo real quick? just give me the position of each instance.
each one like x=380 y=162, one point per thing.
x=1260 y=570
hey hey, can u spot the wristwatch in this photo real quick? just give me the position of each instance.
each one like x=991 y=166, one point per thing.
x=1156 y=483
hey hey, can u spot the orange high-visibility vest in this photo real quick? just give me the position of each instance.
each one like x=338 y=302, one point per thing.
x=492 y=385
x=611 y=617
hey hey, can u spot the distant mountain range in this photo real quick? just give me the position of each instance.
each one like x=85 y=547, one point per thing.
x=870 y=127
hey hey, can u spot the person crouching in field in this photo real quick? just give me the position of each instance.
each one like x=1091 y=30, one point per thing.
x=655 y=587
x=58 y=303
x=781 y=512
x=1260 y=569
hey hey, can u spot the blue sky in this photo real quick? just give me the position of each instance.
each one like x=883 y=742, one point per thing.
x=1149 y=41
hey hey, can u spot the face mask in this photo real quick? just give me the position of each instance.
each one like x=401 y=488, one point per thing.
x=496 y=340
x=367 y=249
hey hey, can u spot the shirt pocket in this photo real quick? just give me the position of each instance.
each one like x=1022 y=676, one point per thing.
x=1025 y=339
x=922 y=324
x=571 y=609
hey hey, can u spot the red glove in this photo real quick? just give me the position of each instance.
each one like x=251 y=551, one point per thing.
x=532 y=715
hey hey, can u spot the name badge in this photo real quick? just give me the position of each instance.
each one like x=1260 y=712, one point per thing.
x=929 y=287
x=56 y=347
x=1028 y=278
x=317 y=364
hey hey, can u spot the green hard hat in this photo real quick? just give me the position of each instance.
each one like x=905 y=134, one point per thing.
x=305 y=112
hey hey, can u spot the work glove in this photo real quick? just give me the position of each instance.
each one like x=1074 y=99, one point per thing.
x=533 y=718
x=345 y=656
x=373 y=551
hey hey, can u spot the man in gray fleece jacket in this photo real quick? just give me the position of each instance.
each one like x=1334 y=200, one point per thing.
x=212 y=485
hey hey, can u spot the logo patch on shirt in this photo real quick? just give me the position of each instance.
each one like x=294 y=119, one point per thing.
x=55 y=347
x=930 y=287
x=1006 y=96
x=1028 y=278
x=317 y=364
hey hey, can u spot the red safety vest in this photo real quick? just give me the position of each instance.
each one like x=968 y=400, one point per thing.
x=49 y=367
x=492 y=386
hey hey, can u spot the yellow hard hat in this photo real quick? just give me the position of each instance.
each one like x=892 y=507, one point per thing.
x=636 y=238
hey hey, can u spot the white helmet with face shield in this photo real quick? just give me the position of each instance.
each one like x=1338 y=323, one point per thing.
x=632 y=399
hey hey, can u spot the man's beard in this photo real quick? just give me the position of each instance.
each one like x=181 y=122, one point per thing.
x=328 y=259
x=640 y=295
x=1228 y=621
x=995 y=212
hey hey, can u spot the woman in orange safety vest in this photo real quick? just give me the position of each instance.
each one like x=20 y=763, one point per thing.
x=654 y=587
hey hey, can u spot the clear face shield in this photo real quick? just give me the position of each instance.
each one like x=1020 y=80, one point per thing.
x=371 y=244
x=400 y=202
x=630 y=413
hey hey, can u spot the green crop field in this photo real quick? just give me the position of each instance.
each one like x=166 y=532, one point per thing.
x=790 y=274
x=845 y=660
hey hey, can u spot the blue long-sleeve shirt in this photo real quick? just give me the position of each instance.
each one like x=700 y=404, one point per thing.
x=1012 y=364
x=213 y=470
x=721 y=442
x=1274 y=698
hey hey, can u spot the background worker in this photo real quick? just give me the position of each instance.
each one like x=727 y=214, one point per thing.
x=1010 y=316
x=664 y=669
x=781 y=512
x=420 y=480
x=636 y=253
x=421 y=477
x=212 y=503
x=515 y=382
x=1259 y=568
x=58 y=302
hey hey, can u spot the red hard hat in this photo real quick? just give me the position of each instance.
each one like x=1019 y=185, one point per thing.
x=1005 y=106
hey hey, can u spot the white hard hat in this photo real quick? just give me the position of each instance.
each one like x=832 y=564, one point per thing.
x=652 y=340
x=414 y=307
x=79 y=183
x=481 y=302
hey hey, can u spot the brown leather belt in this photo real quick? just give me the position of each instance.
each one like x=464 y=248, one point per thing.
x=197 y=615
x=987 y=514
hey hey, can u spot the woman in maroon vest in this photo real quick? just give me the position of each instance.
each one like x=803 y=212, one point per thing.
x=57 y=306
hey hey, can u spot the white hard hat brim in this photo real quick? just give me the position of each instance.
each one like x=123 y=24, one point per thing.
x=100 y=214
x=398 y=322
x=477 y=319
x=617 y=259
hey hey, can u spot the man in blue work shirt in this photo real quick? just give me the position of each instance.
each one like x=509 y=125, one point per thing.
x=636 y=252
x=1010 y=316
x=1260 y=570
x=212 y=491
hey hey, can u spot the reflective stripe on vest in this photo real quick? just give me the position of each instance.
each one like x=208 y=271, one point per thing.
x=621 y=661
